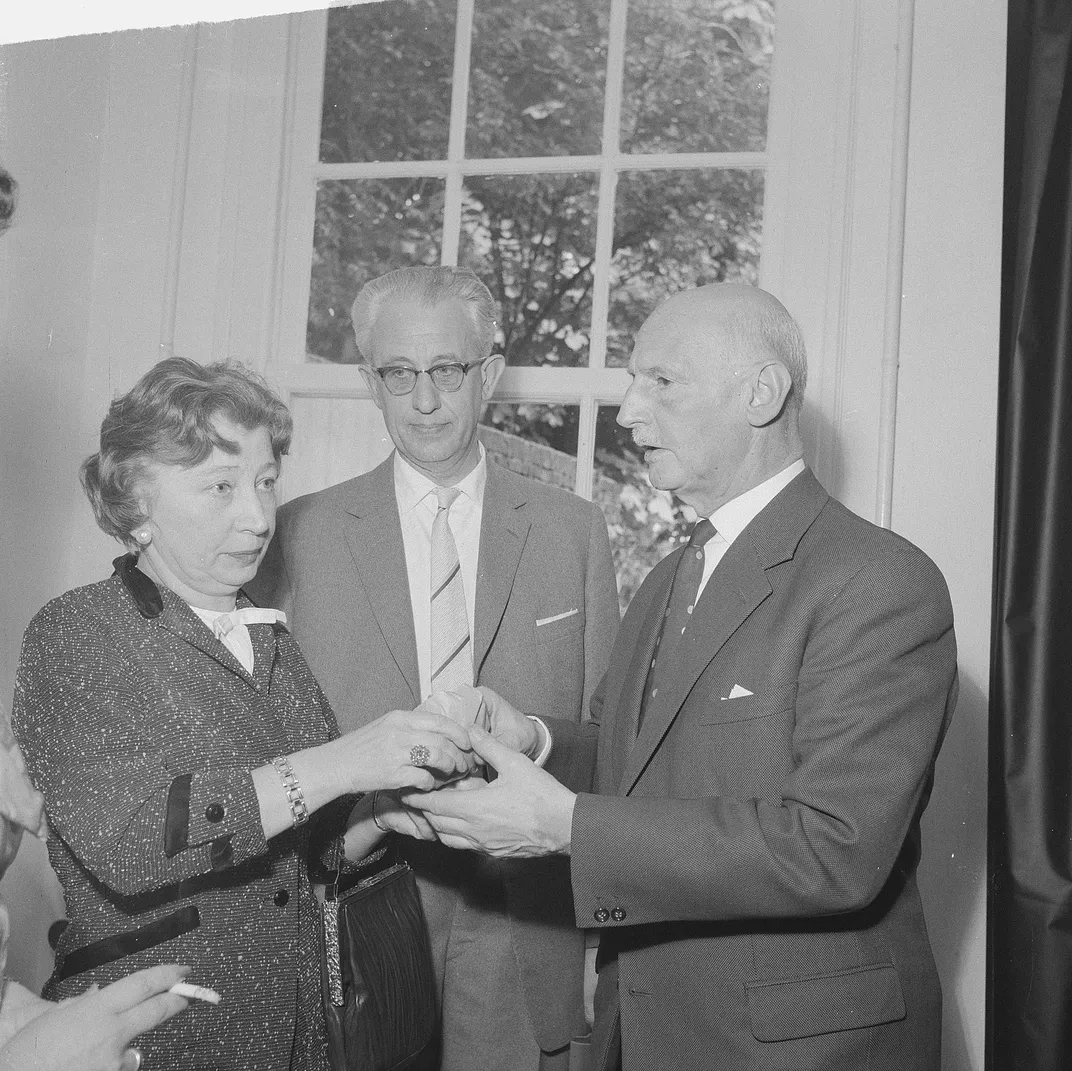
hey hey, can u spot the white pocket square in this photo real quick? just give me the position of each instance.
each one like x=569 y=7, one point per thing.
x=737 y=692
x=557 y=617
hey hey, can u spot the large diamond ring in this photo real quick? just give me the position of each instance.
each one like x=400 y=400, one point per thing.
x=419 y=755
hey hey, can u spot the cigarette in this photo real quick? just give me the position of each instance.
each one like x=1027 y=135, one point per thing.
x=196 y=992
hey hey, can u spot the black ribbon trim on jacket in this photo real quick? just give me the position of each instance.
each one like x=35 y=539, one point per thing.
x=143 y=591
x=110 y=949
x=177 y=816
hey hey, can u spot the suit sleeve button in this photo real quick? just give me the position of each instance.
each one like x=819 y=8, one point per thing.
x=618 y=914
x=601 y=914
x=215 y=812
x=281 y=898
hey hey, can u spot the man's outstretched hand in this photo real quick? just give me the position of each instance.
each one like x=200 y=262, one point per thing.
x=524 y=813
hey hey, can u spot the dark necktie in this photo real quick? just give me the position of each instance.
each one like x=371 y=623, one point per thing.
x=683 y=589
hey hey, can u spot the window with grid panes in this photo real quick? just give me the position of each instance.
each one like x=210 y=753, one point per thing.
x=586 y=159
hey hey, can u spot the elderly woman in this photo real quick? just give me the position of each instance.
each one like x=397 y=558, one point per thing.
x=181 y=742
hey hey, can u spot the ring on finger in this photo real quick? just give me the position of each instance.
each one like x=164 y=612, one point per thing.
x=419 y=755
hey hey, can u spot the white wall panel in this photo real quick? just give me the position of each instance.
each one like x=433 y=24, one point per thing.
x=334 y=440
x=945 y=449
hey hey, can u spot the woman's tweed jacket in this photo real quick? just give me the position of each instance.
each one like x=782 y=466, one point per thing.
x=141 y=729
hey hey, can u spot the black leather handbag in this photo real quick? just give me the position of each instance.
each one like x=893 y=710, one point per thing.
x=377 y=973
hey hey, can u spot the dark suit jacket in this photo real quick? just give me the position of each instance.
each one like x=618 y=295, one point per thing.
x=337 y=567
x=752 y=860
x=141 y=729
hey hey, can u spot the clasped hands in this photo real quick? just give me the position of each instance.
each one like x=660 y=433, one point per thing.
x=523 y=813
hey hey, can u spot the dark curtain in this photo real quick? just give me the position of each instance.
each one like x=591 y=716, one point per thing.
x=1030 y=901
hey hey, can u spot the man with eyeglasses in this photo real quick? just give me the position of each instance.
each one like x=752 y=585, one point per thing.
x=437 y=569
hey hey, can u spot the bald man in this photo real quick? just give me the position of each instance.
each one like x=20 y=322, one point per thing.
x=742 y=816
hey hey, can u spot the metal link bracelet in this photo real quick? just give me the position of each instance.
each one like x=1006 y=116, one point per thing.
x=299 y=813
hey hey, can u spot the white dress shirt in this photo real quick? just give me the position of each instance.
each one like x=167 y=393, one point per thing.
x=417 y=505
x=733 y=517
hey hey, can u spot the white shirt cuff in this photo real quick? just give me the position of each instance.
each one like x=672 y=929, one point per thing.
x=545 y=751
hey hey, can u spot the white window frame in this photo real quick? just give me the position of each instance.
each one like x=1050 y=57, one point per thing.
x=587 y=387
x=830 y=238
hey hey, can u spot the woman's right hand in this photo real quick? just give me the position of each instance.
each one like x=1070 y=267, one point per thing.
x=94 y=1031
x=380 y=755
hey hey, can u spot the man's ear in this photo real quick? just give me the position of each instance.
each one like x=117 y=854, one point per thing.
x=373 y=382
x=490 y=371
x=771 y=384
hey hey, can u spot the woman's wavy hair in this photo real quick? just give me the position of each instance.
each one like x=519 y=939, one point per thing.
x=169 y=418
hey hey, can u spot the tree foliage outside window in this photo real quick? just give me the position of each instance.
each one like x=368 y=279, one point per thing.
x=695 y=79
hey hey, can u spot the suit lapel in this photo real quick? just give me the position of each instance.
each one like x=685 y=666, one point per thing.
x=181 y=621
x=504 y=528
x=627 y=709
x=373 y=535
x=263 y=638
x=725 y=603
x=738 y=585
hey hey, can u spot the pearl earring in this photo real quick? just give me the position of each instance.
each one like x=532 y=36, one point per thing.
x=143 y=536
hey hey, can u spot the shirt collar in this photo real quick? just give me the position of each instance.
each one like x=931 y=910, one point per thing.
x=732 y=518
x=412 y=486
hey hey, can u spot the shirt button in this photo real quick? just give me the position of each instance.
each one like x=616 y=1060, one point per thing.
x=281 y=898
x=215 y=812
x=688 y=609
x=601 y=914
x=618 y=914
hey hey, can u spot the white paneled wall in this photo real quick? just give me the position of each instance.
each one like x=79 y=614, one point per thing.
x=334 y=439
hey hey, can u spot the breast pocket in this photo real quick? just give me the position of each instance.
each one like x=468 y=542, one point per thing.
x=725 y=709
x=560 y=663
x=553 y=627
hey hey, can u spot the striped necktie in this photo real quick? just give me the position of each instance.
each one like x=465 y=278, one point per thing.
x=452 y=656
x=683 y=588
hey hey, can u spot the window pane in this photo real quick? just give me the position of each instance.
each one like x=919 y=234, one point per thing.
x=363 y=229
x=553 y=425
x=387 y=81
x=674 y=230
x=531 y=238
x=533 y=439
x=536 y=78
x=645 y=524
x=697 y=75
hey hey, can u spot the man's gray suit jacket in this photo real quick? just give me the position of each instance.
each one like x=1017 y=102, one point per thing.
x=337 y=568
x=751 y=855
